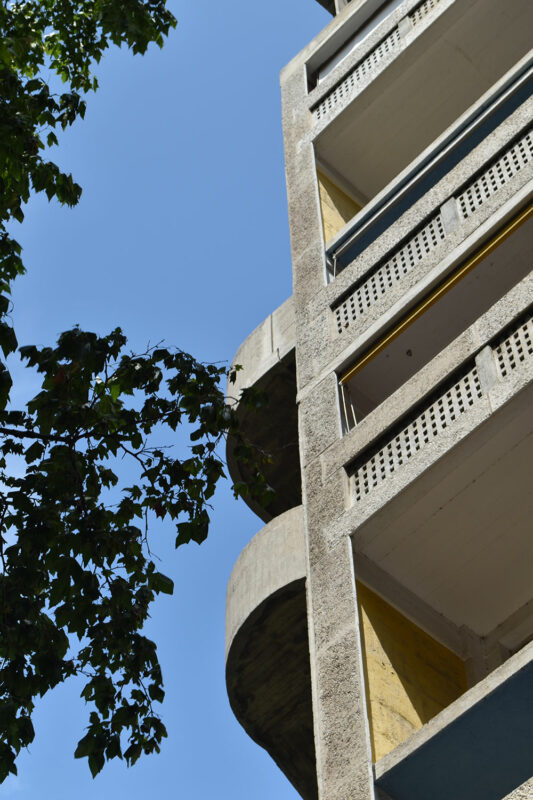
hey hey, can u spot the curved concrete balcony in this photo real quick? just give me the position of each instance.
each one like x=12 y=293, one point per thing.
x=267 y=361
x=267 y=652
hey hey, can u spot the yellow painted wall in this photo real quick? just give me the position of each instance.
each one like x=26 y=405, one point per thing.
x=409 y=676
x=337 y=208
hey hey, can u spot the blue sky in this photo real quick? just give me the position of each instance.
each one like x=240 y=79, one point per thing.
x=181 y=234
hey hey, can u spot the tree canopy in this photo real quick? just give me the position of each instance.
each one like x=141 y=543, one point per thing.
x=76 y=573
x=61 y=41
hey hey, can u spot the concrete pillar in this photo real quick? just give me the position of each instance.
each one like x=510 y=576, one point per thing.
x=486 y=368
x=342 y=737
x=450 y=216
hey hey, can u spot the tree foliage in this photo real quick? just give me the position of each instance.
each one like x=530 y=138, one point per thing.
x=64 y=39
x=76 y=573
x=77 y=580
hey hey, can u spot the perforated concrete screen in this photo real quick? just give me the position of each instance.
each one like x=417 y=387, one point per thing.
x=497 y=175
x=400 y=264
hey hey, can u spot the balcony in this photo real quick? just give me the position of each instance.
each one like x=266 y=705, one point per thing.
x=267 y=361
x=418 y=71
x=267 y=652
x=441 y=501
x=476 y=749
x=440 y=520
x=435 y=167
x=441 y=316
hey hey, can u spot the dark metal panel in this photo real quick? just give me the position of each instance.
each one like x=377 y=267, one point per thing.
x=482 y=755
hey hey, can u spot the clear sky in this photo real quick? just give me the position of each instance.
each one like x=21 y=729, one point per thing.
x=181 y=234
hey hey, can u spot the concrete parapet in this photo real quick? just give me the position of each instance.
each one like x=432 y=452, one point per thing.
x=273 y=559
x=267 y=360
x=267 y=665
x=264 y=348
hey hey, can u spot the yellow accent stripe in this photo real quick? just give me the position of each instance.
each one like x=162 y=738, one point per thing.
x=441 y=290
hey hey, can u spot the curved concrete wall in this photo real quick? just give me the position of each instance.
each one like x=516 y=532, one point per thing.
x=267 y=358
x=273 y=559
x=264 y=348
x=268 y=673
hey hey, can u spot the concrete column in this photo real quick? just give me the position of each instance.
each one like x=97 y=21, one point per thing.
x=343 y=750
x=486 y=368
x=450 y=216
x=342 y=741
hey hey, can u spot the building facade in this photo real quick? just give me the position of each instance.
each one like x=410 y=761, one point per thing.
x=380 y=625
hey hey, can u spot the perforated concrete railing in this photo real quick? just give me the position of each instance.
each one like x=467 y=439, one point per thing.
x=438 y=413
x=515 y=347
x=371 y=63
x=421 y=11
x=497 y=175
x=364 y=68
x=442 y=408
x=402 y=262
x=424 y=240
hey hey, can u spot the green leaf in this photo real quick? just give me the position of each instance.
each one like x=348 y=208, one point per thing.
x=85 y=746
x=161 y=583
x=115 y=390
x=8 y=340
x=96 y=762
x=34 y=452
x=156 y=692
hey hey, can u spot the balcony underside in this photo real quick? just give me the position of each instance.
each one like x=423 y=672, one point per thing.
x=272 y=430
x=265 y=362
x=269 y=684
x=459 y=535
x=424 y=90
x=267 y=661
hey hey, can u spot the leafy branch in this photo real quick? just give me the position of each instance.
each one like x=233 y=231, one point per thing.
x=77 y=578
x=79 y=570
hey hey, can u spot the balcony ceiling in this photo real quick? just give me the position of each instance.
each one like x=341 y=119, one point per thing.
x=420 y=94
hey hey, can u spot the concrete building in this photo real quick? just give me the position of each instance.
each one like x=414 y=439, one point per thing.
x=380 y=625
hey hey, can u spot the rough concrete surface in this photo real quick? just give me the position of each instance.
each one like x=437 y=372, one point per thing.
x=409 y=135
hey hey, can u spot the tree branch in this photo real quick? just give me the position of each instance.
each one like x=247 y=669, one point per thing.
x=25 y=434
